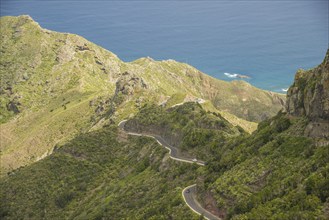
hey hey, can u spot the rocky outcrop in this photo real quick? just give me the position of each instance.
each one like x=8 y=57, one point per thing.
x=309 y=97
x=13 y=106
x=128 y=83
x=126 y=86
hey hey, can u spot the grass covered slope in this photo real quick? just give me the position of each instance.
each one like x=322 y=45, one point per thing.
x=55 y=86
x=47 y=82
x=100 y=175
x=38 y=65
x=237 y=97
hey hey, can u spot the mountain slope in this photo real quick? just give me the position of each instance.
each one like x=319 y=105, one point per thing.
x=120 y=176
x=48 y=82
x=281 y=171
x=236 y=97
x=55 y=86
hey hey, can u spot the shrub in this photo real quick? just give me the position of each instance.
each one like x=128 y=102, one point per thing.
x=63 y=199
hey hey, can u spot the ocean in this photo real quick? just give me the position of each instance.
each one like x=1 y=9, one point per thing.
x=264 y=40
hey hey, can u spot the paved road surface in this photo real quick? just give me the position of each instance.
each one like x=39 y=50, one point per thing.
x=189 y=193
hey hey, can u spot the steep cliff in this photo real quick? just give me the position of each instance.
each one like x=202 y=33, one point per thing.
x=309 y=97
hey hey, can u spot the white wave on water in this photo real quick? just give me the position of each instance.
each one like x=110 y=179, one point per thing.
x=234 y=75
x=284 y=90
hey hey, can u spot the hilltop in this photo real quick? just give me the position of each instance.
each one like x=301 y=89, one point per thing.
x=55 y=86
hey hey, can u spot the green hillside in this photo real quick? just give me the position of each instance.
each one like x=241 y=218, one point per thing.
x=106 y=174
x=47 y=86
x=55 y=86
x=278 y=172
x=281 y=171
x=100 y=175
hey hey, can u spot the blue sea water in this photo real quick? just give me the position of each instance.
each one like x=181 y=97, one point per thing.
x=266 y=40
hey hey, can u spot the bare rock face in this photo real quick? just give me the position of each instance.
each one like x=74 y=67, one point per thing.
x=13 y=106
x=309 y=97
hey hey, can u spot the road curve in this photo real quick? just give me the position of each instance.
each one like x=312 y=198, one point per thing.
x=189 y=193
x=173 y=152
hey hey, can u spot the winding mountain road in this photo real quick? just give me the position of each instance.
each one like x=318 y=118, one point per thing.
x=189 y=193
